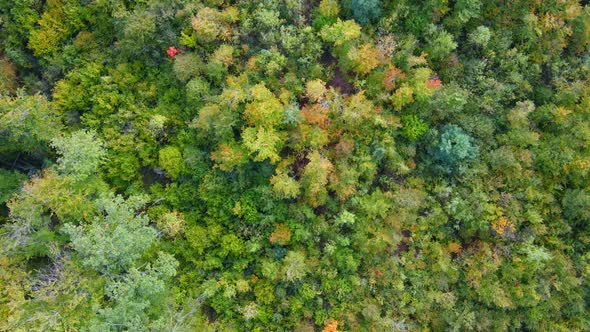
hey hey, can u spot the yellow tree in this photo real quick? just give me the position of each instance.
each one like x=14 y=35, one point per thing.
x=266 y=110
x=315 y=179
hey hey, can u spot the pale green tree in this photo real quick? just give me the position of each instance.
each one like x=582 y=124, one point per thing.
x=116 y=237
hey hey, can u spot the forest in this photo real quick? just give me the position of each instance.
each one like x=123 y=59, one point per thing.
x=294 y=165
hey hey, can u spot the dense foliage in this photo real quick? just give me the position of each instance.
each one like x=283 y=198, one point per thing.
x=280 y=165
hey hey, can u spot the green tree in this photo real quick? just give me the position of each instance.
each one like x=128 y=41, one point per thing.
x=480 y=36
x=10 y=183
x=414 y=128
x=440 y=44
x=27 y=123
x=139 y=30
x=285 y=186
x=365 y=11
x=171 y=161
x=453 y=150
x=403 y=96
x=80 y=154
x=294 y=266
x=263 y=143
x=576 y=206
x=188 y=66
x=197 y=89
x=266 y=110
x=215 y=122
x=115 y=238
x=229 y=156
x=341 y=32
x=139 y=300
x=60 y=19
x=59 y=296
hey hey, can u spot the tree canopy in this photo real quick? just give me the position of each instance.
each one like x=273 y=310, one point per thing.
x=290 y=165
